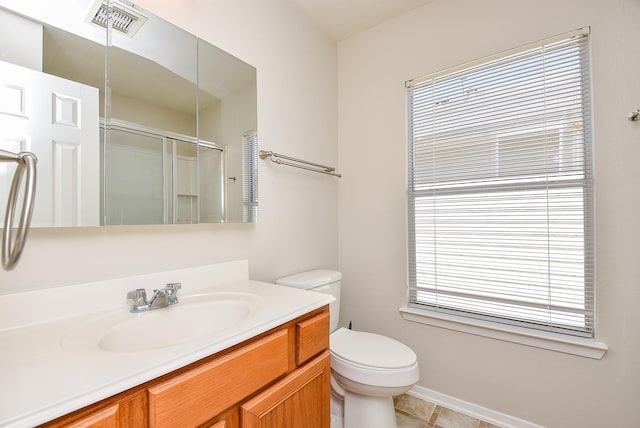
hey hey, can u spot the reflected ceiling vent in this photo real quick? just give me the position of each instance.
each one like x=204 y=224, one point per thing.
x=126 y=18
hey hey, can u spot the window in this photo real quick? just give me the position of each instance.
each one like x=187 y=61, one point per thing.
x=500 y=189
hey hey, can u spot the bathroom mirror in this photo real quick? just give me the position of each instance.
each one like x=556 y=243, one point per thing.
x=136 y=123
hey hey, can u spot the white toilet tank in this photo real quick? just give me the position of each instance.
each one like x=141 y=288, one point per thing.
x=320 y=280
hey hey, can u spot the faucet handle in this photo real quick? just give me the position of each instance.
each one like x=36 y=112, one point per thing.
x=139 y=297
x=174 y=286
x=172 y=289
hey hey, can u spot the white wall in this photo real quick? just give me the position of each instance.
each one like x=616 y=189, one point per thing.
x=545 y=387
x=26 y=50
x=297 y=227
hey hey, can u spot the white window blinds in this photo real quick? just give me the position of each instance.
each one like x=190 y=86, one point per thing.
x=500 y=189
x=250 y=176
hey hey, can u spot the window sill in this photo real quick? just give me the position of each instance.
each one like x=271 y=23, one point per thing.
x=588 y=348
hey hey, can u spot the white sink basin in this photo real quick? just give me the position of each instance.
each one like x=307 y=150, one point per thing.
x=196 y=317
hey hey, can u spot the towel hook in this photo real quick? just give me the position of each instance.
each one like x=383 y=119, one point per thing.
x=634 y=116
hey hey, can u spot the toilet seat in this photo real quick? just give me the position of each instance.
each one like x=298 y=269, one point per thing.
x=372 y=359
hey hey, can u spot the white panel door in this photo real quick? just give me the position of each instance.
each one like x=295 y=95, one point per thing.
x=57 y=119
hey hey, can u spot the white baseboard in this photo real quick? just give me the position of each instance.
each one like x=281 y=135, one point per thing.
x=470 y=409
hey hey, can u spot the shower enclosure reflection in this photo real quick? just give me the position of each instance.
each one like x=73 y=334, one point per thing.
x=153 y=178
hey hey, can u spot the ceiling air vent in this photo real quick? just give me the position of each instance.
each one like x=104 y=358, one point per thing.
x=124 y=18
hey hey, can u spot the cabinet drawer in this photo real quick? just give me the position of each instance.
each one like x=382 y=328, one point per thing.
x=129 y=410
x=312 y=337
x=198 y=395
x=102 y=419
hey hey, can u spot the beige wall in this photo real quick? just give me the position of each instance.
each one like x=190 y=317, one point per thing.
x=224 y=123
x=151 y=115
x=544 y=387
x=297 y=226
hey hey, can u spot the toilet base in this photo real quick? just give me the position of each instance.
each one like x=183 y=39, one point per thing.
x=336 y=422
x=366 y=411
x=337 y=411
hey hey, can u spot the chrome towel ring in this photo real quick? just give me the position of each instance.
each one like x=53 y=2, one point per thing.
x=26 y=161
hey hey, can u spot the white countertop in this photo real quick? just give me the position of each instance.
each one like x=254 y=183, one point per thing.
x=42 y=377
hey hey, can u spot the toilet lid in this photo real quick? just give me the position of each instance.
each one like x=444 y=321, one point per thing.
x=369 y=349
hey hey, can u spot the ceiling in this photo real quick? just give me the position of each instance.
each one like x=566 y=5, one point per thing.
x=341 y=19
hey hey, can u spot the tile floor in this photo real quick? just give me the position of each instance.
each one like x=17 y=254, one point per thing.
x=412 y=412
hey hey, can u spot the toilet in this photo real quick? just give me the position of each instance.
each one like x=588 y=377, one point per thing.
x=367 y=369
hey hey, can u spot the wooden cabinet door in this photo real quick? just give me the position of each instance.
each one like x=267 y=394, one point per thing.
x=301 y=400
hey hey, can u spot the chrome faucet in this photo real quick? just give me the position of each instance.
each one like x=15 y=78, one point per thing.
x=161 y=298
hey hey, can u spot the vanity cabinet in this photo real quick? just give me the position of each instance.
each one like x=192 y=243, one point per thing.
x=276 y=379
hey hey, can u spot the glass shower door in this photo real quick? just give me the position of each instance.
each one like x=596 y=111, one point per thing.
x=152 y=178
x=135 y=188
